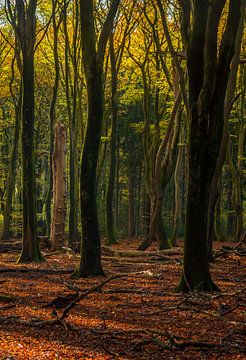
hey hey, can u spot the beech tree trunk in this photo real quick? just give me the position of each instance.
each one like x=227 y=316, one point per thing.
x=215 y=189
x=110 y=223
x=52 y=116
x=25 y=32
x=90 y=261
x=12 y=165
x=131 y=192
x=208 y=72
x=59 y=187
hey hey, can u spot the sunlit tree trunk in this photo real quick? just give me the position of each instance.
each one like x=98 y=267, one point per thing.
x=59 y=187
x=52 y=117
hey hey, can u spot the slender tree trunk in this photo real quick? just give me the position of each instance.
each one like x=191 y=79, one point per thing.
x=30 y=246
x=12 y=171
x=131 y=194
x=217 y=221
x=59 y=208
x=230 y=215
x=117 y=184
x=49 y=196
x=236 y=196
x=177 y=184
x=72 y=112
x=110 y=223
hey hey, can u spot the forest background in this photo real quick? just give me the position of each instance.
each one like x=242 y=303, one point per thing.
x=133 y=154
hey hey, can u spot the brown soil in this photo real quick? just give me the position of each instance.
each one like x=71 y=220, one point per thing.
x=137 y=316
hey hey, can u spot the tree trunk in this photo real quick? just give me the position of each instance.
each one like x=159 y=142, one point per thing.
x=90 y=263
x=30 y=246
x=25 y=33
x=93 y=57
x=110 y=223
x=51 y=125
x=59 y=191
x=177 y=185
x=230 y=216
x=236 y=196
x=131 y=194
x=215 y=189
x=208 y=78
x=12 y=171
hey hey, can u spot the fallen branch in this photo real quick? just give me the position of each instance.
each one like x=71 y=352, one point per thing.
x=109 y=251
x=6 y=298
x=94 y=289
x=139 y=260
x=239 y=249
x=30 y=270
x=7 y=307
x=31 y=323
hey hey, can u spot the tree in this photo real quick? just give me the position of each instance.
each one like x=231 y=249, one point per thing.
x=115 y=62
x=26 y=36
x=208 y=72
x=58 y=165
x=52 y=115
x=90 y=262
x=15 y=148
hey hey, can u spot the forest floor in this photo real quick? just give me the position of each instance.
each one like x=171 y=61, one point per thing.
x=137 y=315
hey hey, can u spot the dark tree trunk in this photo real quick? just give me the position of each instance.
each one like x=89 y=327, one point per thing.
x=90 y=262
x=208 y=77
x=230 y=215
x=25 y=32
x=131 y=193
x=30 y=246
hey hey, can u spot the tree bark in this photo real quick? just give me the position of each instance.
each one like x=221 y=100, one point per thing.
x=90 y=261
x=208 y=78
x=59 y=187
x=26 y=36
x=215 y=188
x=110 y=223
x=52 y=116
x=12 y=163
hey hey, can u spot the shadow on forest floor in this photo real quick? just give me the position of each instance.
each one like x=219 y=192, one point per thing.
x=138 y=316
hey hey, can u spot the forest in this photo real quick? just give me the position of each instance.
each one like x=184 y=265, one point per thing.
x=122 y=179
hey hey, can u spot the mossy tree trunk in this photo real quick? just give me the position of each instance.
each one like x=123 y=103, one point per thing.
x=208 y=71
x=236 y=193
x=90 y=261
